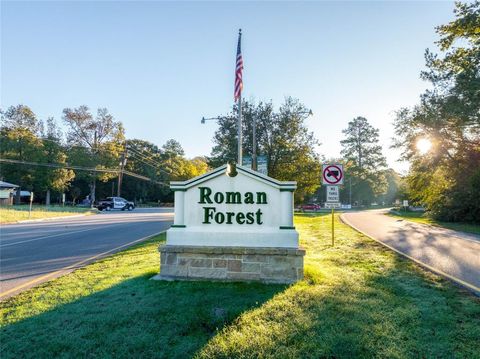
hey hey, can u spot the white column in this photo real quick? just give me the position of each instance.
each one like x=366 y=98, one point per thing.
x=179 y=208
x=287 y=208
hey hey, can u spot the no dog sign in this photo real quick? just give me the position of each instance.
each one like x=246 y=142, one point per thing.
x=332 y=174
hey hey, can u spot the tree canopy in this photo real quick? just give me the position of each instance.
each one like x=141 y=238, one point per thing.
x=446 y=178
x=282 y=136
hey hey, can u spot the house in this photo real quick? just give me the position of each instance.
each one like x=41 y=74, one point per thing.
x=6 y=193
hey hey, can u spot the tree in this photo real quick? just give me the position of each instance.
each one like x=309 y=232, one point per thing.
x=364 y=161
x=53 y=152
x=96 y=142
x=281 y=136
x=445 y=179
x=23 y=137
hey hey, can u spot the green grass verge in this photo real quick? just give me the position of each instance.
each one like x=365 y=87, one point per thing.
x=358 y=300
x=12 y=214
x=421 y=217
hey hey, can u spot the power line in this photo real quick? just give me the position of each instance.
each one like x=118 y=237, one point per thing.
x=80 y=168
x=146 y=160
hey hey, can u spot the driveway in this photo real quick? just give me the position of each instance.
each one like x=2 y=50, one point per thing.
x=33 y=253
x=453 y=254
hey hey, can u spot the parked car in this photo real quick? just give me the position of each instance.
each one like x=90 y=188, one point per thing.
x=115 y=203
x=309 y=207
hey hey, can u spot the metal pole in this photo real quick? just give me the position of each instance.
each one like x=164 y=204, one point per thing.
x=333 y=228
x=239 y=160
x=350 y=192
x=31 y=200
x=254 y=145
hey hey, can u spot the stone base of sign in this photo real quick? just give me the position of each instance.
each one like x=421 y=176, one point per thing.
x=268 y=265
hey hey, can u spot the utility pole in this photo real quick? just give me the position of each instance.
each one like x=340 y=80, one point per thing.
x=122 y=167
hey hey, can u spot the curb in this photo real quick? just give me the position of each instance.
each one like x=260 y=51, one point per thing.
x=462 y=283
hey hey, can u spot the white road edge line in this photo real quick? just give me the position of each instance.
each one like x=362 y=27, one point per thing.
x=472 y=287
x=71 y=266
x=53 y=235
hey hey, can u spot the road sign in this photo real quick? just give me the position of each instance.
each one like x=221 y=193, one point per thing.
x=262 y=164
x=332 y=205
x=405 y=203
x=332 y=194
x=332 y=174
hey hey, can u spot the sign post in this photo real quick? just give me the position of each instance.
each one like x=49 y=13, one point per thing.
x=332 y=177
x=31 y=200
x=333 y=227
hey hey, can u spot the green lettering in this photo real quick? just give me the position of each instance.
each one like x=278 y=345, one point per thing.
x=205 y=193
x=250 y=218
x=207 y=214
x=261 y=198
x=240 y=218
x=219 y=198
x=259 y=216
x=234 y=197
x=249 y=198
x=229 y=217
x=219 y=218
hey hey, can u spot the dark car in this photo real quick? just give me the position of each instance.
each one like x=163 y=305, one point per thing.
x=115 y=203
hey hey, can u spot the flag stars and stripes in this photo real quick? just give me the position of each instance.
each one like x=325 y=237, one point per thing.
x=238 y=69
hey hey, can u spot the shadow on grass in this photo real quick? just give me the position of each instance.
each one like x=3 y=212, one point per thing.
x=376 y=312
x=137 y=318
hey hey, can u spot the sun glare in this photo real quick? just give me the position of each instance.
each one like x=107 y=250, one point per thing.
x=424 y=145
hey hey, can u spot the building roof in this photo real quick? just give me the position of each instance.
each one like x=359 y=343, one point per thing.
x=7 y=185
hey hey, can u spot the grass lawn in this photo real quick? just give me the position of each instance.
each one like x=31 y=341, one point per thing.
x=421 y=217
x=358 y=300
x=18 y=213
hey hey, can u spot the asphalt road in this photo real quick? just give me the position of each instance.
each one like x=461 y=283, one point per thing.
x=36 y=252
x=453 y=254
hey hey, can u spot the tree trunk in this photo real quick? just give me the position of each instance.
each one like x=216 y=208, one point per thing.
x=47 y=198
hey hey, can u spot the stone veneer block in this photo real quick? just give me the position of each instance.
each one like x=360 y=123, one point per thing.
x=263 y=264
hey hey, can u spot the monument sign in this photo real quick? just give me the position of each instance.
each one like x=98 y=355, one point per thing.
x=231 y=224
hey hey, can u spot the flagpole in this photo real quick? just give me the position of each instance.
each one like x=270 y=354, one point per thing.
x=239 y=161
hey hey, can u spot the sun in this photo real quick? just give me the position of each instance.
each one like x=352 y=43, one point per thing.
x=423 y=145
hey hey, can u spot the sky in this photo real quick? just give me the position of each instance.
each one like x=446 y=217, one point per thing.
x=160 y=66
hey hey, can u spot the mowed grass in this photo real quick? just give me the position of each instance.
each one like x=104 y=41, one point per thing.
x=422 y=217
x=12 y=214
x=358 y=300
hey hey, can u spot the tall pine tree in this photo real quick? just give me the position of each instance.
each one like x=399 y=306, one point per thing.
x=365 y=164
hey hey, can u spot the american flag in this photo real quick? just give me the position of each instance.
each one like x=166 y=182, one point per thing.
x=238 y=69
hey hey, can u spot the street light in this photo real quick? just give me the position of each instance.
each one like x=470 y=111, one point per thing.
x=209 y=119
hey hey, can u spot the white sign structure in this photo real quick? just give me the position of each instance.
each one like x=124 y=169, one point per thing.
x=333 y=194
x=331 y=205
x=405 y=203
x=248 y=209
x=332 y=174
x=232 y=224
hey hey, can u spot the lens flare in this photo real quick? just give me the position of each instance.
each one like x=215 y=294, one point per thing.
x=424 y=145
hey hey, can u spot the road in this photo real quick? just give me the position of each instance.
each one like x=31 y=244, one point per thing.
x=36 y=252
x=453 y=254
